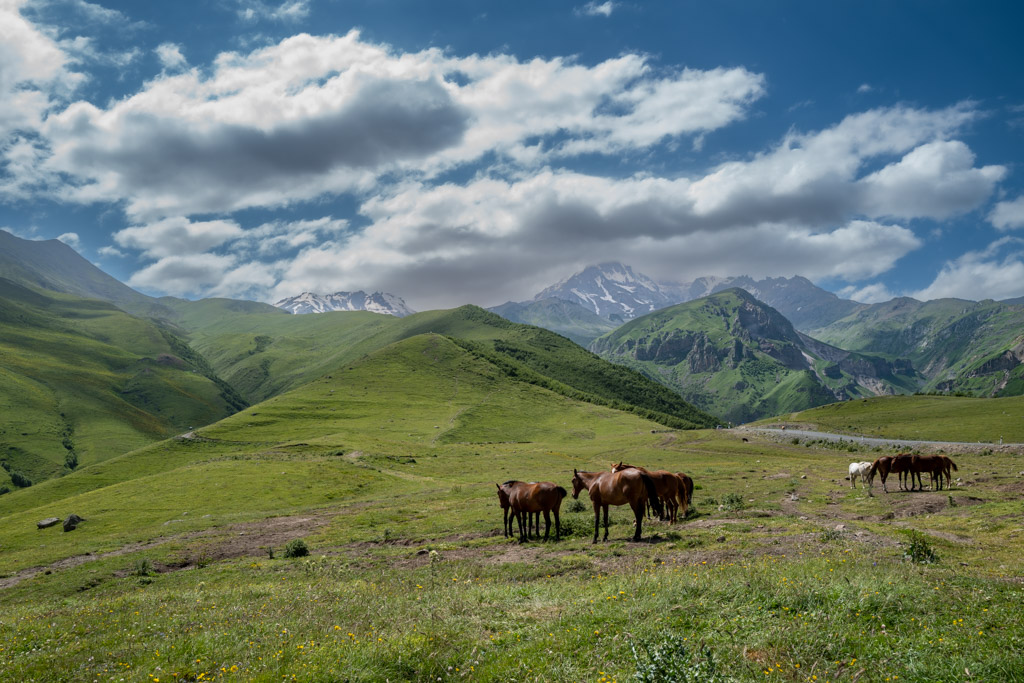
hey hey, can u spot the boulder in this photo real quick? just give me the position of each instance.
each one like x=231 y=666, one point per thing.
x=48 y=522
x=72 y=522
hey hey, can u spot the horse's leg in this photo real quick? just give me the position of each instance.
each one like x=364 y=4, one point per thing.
x=638 y=512
x=558 y=527
x=506 y=527
x=597 y=520
x=606 y=521
x=547 y=525
x=524 y=526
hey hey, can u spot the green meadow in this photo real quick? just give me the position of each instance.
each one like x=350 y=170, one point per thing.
x=385 y=467
x=934 y=418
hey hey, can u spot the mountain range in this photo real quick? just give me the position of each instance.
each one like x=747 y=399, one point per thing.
x=378 y=302
x=93 y=368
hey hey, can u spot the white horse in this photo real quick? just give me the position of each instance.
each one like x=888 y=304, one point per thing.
x=862 y=470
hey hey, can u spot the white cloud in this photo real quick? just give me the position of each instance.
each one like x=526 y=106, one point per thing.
x=935 y=180
x=194 y=274
x=490 y=240
x=1008 y=215
x=868 y=294
x=289 y=11
x=320 y=115
x=864 y=88
x=996 y=272
x=111 y=251
x=596 y=9
x=71 y=239
x=170 y=56
x=177 y=236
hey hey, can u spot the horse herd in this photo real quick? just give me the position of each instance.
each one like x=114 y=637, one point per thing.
x=665 y=492
x=907 y=466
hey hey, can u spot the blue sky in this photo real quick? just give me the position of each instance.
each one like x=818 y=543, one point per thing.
x=476 y=152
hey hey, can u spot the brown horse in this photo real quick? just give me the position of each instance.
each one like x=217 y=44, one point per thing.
x=889 y=464
x=628 y=487
x=937 y=466
x=685 y=492
x=665 y=483
x=534 y=498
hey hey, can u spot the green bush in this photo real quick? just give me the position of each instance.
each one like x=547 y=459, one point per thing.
x=20 y=480
x=576 y=506
x=732 y=502
x=668 y=660
x=296 y=548
x=919 y=550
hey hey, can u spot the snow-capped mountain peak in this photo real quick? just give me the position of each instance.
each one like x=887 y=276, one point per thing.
x=378 y=302
x=610 y=289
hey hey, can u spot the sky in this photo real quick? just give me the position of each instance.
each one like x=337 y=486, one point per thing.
x=478 y=152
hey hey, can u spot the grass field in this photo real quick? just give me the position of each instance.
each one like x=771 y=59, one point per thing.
x=936 y=418
x=386 y=470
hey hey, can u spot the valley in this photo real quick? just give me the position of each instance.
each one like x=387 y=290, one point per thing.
x=375 y=442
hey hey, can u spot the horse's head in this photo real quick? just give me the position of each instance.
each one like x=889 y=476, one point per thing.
x=577 y=484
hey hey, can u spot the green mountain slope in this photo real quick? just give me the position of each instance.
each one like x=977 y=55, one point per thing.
x=738 y=358
x=418 y=397
x=564 y=317
x=933 y=418
x=81 y=380
x=959 y=346
x=263 y=354
x=54 y=266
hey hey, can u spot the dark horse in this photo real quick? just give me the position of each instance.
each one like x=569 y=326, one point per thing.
x=525 y=499
x=666 y=484
x=628 y=487
x=912 y=466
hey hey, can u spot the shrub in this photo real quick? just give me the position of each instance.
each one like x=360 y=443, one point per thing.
x=576 y=506
x=296 y=548
x=919 y=550
x=20 y=480
x=71 y=460
x=732 y=501
x=669 y=660
x=142 y=567
x=4 y=489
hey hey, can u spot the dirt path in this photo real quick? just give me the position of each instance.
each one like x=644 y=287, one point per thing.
x=236 y=540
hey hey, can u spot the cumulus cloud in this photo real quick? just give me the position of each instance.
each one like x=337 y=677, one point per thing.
x=996 y=272
x=495 y=239
x=1008 y=215
x=110 y=251
x=289 y=11
x=596 y=9
x=935 y=180
x=868 y=294
x=190 y=275
x=319 y=115
x=170 y=55
x=177 y=235
x=71 y=239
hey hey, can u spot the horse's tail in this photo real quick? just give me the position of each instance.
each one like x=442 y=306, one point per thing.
x=953 y=464
x=652 y=495
x=562 y=493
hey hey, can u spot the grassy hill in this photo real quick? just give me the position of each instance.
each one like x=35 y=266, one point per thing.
x=738 y=358
x=82 y=381
x=265 y=353
x=386 y=470
x=965 y=346
x=944 y=418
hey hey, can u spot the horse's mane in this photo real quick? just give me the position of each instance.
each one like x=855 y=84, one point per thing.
x=510 y=481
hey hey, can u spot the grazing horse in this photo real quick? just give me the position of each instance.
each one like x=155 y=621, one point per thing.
x=859 y=470
x=889 y=464
x=685 y=492
x=949 y=465
x=934 y=465
x=628 y=487
x=534 y=498
x=506 y=523
x=665 y=483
